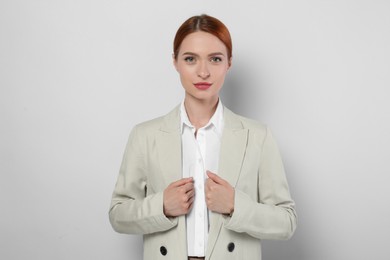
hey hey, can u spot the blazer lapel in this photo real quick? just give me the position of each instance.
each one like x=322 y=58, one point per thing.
x=232 y=153
x=168 y=146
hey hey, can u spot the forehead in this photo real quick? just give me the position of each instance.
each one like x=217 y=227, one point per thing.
x=202 y=43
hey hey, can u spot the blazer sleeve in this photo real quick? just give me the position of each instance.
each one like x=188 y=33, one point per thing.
x=272 y=215
x=132 y=211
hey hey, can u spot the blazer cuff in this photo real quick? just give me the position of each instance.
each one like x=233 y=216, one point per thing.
x=241 y=203
x=162 y=222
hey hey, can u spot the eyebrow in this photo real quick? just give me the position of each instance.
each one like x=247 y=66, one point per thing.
x=211 y=54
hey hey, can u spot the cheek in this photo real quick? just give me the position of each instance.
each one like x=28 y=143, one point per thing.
x=221 y=74
x=185 y=74
x=185 y=79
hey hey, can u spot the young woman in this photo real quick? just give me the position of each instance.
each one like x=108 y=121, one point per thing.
x=202 y=182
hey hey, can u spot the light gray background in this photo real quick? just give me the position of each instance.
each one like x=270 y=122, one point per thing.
x=76 y=76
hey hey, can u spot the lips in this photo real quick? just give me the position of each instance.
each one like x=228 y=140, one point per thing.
x=202 y=85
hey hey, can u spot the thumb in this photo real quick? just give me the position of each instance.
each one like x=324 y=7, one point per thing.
x=181 y=182
x=215 y=177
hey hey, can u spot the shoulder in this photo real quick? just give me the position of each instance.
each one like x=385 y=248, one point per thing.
x=259 y=134
x=168 y=122
x=253 y=124
x=235 y=120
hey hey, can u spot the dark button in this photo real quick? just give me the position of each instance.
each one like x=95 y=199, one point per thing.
x=163 y=250
x=231 y=247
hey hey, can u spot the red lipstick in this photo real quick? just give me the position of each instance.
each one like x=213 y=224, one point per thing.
x=202 y=85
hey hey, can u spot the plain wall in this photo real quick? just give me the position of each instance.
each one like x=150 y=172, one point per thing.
x=76 y=76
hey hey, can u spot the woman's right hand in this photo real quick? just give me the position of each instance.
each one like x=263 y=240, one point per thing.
x=178 y=197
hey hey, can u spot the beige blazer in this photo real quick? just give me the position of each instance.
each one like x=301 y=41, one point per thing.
x=249 y=160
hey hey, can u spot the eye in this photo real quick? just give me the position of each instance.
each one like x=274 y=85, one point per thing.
x=189 y=59
x=215 y=59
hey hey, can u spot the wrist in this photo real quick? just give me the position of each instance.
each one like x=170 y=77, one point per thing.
x=232 y=205
x=231 y=213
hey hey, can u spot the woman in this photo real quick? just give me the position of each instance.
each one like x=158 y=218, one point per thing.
x=202 y=182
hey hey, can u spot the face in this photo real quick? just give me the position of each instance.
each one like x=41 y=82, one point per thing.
x=202 y=63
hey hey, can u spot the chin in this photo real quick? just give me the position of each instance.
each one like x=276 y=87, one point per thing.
x=205 y=96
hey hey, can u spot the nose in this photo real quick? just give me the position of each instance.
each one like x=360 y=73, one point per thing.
x=203 y=70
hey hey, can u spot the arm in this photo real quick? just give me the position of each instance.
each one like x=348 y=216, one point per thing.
x=131 y=210
x=272 y=215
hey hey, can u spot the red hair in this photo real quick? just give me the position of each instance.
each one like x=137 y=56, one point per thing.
x=204 y=23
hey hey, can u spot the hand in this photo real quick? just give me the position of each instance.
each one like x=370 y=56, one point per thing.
x=178 y=197
x=219 y=194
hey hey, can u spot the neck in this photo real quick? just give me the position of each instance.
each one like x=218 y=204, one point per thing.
x=199 y=112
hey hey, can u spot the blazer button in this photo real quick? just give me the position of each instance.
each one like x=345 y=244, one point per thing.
x=230 y=247
x=163 y=250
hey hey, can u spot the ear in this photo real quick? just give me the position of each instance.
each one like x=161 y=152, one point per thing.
x=174 y=60
x=230 y=62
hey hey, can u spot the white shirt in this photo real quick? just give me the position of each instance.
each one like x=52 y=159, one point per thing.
x=199 y=154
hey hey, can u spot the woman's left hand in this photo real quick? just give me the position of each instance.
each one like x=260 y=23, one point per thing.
x=219 y=194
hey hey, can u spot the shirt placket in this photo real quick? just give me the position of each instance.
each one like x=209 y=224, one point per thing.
x=200 y=195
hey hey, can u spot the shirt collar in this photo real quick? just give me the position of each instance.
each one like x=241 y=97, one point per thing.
x=216 y=120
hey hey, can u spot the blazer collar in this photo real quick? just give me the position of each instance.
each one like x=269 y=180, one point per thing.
x=233 y=145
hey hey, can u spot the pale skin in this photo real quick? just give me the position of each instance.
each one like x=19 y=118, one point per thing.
x=202 y=58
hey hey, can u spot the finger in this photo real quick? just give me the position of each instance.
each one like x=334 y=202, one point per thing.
x=215 y=178
x=182 y=182
x=191 y=205
x=191 y=193
x=208 y=183
x=188 y=187
x=191 y=200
